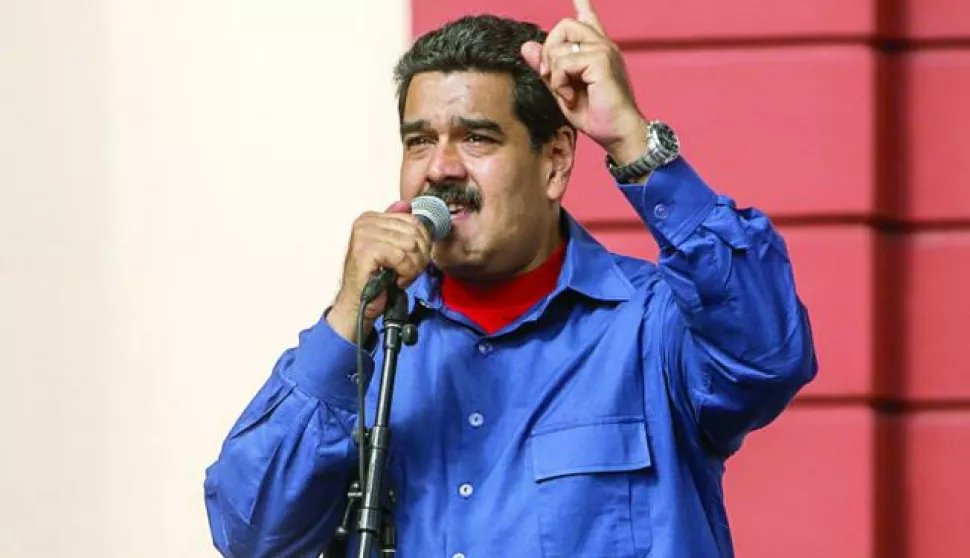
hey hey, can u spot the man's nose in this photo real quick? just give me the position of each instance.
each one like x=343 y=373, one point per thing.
x=446 y=164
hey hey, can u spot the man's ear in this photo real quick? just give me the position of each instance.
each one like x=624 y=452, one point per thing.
x=561 y=154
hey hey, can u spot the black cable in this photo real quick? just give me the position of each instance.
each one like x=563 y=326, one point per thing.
x=361 y=393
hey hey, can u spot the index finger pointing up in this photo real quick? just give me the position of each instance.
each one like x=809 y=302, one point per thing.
x=586 y=14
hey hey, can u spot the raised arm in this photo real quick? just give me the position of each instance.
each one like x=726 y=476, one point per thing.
x=739 y=340
x=736 y=338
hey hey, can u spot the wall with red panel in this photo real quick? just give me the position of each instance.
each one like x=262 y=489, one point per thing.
x=847 y=121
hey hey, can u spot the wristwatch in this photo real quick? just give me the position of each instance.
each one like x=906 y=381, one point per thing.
x=663 y=146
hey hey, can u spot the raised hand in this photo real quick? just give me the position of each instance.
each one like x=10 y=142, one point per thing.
x=585 y=71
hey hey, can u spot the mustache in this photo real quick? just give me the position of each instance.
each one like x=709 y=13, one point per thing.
x=456 y=193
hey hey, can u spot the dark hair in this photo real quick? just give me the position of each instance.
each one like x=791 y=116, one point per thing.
x=486 y=43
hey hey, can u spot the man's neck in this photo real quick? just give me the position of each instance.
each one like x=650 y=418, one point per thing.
x=553 y=242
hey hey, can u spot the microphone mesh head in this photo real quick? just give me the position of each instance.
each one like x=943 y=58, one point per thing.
x=436 y=212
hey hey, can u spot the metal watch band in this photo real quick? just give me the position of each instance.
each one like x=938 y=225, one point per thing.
x=628 y=173
x=655 y=157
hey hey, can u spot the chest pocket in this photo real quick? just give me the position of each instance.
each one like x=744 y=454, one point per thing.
x=591 y=489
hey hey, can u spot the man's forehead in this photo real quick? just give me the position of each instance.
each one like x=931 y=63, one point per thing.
x=458 y=123
x=446 y=98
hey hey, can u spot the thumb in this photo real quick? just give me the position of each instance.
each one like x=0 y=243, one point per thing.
x=399 y=206
x=532 y=52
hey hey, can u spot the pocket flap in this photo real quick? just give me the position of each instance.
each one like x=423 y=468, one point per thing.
x=604 y=447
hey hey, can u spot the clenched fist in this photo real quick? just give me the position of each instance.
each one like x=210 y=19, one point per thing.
x=395 y=240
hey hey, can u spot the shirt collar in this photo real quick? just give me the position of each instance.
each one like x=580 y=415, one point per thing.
x=589 y=268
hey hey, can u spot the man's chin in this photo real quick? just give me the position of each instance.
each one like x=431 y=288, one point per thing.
x=451 y=256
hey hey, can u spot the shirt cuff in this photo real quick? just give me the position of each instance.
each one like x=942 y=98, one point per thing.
x=673 y=202
x=326 y=366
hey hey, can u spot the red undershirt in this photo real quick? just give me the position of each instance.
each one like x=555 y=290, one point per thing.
x=495 y=306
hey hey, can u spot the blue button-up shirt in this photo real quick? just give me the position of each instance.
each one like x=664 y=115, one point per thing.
x=596 y=425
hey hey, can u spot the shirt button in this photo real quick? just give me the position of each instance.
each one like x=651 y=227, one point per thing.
x=660 y=211
x=484 y=347
x=476 y=419
x=465 y=490
x=458 y=555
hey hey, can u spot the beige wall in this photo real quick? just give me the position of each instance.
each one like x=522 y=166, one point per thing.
x=176 y=182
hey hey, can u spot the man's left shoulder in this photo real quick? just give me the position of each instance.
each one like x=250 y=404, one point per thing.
x=641 y=273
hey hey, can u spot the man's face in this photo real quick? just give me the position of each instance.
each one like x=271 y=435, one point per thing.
x=463 y=143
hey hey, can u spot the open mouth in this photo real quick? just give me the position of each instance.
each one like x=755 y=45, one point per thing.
x=460 y=212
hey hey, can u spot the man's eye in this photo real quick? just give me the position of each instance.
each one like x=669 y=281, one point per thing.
x=416 y=141
x=478 y=138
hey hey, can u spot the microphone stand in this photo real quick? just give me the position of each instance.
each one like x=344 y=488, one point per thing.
x=372 y=526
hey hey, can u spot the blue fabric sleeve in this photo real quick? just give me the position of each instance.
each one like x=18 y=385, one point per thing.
x=278 y=487
x=739 y=339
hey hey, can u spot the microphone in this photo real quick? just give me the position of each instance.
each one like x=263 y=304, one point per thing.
x=434 y=215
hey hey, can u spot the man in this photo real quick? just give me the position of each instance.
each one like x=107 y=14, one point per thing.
x=561 y=401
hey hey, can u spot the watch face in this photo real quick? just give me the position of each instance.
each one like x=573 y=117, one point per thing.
x=666 y=138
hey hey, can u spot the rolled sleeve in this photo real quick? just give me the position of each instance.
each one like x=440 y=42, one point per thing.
x=673 y=202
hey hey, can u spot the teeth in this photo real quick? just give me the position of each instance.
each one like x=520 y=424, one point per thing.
x=455 y=208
